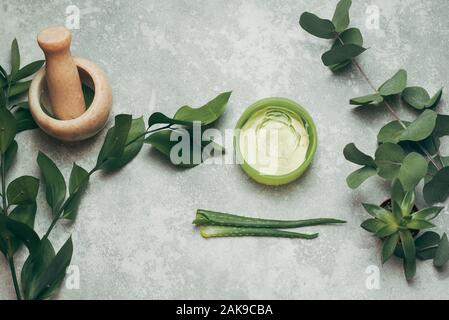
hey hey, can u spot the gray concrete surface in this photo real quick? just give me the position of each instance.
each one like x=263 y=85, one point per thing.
x=134 y=238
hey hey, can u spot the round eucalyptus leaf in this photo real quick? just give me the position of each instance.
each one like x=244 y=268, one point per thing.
x=355 y=179
x=368 y=99
x=395 y=84
x=391 y=133
x=389 y=159
x=354 y=155
x=441 y=126
x=342 y=53
x=416 y=97
x=341 y=15
x=421 y=128
x=435 y=99
x=349 y=36
x=442 y=253
x=321 y=28
x=412 y=170
x=437 y=189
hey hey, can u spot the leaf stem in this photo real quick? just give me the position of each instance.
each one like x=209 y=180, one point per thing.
x=10 y=253
x=13 y=270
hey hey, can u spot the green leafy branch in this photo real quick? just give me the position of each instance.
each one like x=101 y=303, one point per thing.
x=408 y=151
x=43 y=272
x=14 y=85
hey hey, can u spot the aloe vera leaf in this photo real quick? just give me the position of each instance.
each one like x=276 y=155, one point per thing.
x=210 y=218
x=223 y=232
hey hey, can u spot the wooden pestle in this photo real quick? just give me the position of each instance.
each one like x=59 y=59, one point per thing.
x=63 y=80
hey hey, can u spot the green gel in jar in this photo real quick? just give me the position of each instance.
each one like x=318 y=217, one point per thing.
x=275 y=141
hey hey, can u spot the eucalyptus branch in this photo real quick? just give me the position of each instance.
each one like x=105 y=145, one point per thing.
x=398 y=158
x=395 y=115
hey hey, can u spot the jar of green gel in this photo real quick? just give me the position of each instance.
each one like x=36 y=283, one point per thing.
x=275 y=141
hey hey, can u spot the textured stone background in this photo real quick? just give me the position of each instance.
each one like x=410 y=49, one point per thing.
x=134 y=238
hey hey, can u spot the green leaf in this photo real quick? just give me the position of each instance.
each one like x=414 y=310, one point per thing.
x=387 y=231
x=428 y=213
x=427 y=240
x=134 y=143
x=416 y=97
x=50 y=280
x=413 y=169
x=15 y=58
x=391 y=132
x=397 y=191
x=23 y=190
x=25 y=234
x=394 y=85
x=28 y=70
x=350 y=36
x=24 y=120
x=437 y=189
x=420 y=224
x=409 y=268
x=3 y=76
x=33 y=267
x=10 y=155
x=408 y=246
x=19 y=88
x=369 y=99
x=354 y=155
x=388 y=247
x=442 y=253
x=7 y=129
x=421 y=128
x=355 y=179
x=389 y=159
x=3 y=99
x=79 y=179
x=341 y=53
x=160 y=118
x=186 y=140
x=341 y=15
x=24 y=214
x=426 y=245
x=441 y=126
x=435 y=99
x=373 y=225
x=55 y=187
x=208 y=113
x=380 y=213
x=114 y=143
x=321 y=28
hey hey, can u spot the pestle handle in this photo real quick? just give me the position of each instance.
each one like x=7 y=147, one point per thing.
x=63 y=80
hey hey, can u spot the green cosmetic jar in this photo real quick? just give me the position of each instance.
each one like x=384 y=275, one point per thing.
x=275 y=141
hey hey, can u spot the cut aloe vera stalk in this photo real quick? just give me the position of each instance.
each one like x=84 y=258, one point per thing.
x=210 y=218
x=222 y=232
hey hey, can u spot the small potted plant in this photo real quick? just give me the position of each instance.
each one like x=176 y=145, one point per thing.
x=400 y=225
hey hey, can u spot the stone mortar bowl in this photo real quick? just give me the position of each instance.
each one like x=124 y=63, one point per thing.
x=90 y=122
